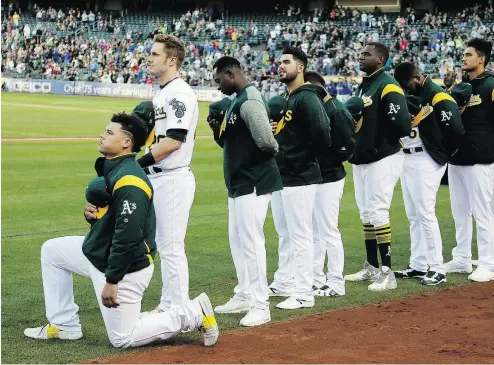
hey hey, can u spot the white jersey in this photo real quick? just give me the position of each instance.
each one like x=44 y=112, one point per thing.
x=413 y=139
x=176 y=107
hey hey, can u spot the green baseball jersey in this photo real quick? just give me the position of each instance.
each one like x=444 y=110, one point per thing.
x=342 y=139
x=447 y=132
x=249 y=146
x=302 y=133
x=478 y=121
x=122 y=238
x=385 y=118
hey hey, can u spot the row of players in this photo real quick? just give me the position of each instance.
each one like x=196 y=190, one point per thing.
x=403 y=127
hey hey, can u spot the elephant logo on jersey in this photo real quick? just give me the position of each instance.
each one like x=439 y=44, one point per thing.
x=445 y=116
x=179 y=108
x=128 y=207
x=367 y=101
x=393 y=108
x=474 y=100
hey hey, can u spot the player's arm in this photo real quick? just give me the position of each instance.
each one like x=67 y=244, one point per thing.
x=179 y=114
x=132 y=198
x=396 y=109
x=347 y=129
x=447 y=112
x=255 y=115
x=216 y=126
x=316 y=118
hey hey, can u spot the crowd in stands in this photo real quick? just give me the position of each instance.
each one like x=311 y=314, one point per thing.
x=332 y=39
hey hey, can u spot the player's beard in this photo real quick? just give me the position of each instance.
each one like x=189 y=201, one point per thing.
x=289 y=77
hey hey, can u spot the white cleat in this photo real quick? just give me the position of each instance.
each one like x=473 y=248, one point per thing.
x=457 y=267
x=256 y=317
x=50 y=332
x=294 y=303
x=368 y=273
x=481 y=275
x=209 y=327
x=385 y=281
x=233 y=306
x=326 y=291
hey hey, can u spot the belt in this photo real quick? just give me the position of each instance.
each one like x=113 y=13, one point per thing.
x=147 y=170
x=413 y=150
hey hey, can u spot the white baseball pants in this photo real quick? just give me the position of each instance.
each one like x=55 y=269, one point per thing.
x=296 y=254
x=420 y=182
x=246 y=217
x=61 y=257
x=327 y=236
x=471 y=190
x=173 y=196
x=374 y=187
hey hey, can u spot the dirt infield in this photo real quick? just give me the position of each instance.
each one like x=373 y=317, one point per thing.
x=450 y=326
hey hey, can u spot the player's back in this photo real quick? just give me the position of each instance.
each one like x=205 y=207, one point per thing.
x=176 y=107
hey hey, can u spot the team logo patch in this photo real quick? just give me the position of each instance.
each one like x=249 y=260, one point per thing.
x=232 y=119
x=367 y=101
x=393 y=108
x=445 y=116
x=128 y=208
x=474 y=100
x=179 y=108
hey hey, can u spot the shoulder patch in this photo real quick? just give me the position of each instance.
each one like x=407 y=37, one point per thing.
x=392 y=88
x=179 y=108
x=133 y=181
x=441 y=97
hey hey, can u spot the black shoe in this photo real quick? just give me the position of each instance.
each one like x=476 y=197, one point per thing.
x=408 y=273
x=433 y=278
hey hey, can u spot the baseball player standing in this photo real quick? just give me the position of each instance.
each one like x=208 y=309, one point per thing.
x=251 y=175
x=378 y=161
x=435 y=128
x=471 y=171
x=167 y=161
x=304 y=130
x=117 y=254
x=327 y=236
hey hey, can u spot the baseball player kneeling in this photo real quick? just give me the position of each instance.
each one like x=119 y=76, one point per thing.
x=117 y=254
x=436 y=131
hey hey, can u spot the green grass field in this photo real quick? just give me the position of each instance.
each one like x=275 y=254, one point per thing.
x=43 y=197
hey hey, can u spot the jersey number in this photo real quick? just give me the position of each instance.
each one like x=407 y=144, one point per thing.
x=413 y=134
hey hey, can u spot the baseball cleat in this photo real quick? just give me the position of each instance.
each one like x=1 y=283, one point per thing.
x=256 y=317
x=409 y=273
x=369 y=272
x=458 y=267
x=385 y=281
x=209 y=327
x=50 y=332
x=294 y=303
x=433 y=278
x=326 y=291
x=481 y=275
x=233 y=306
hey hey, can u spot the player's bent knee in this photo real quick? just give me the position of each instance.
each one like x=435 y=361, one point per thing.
x=49 y=248
x=120 y=342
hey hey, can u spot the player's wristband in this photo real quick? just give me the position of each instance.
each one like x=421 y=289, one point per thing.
x=146 y=160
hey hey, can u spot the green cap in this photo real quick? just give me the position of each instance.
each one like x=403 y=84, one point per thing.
x=145 y=111
x=277 y=106
x=96 y=193
x=461 y=93
x=413 y=104
x=218 y=109
x=355 y=106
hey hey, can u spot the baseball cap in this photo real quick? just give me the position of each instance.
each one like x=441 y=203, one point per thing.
x=461 y=93
x=218 y=109
x=355 y=106
x=277 y=107
x=96 y=192
x=145 y=111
